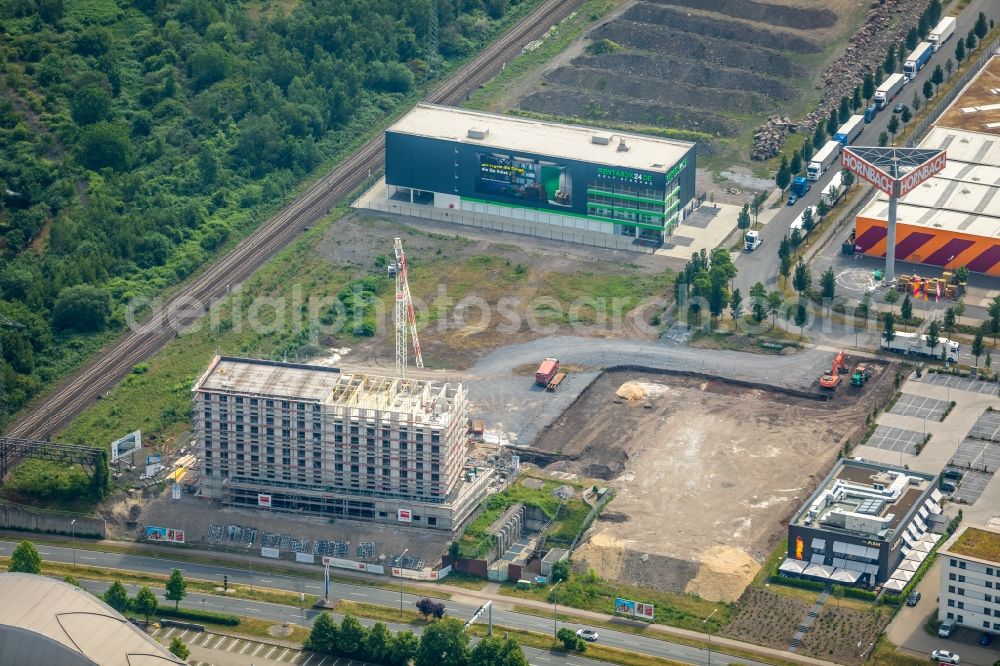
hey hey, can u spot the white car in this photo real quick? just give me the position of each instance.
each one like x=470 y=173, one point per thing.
x=945 y=657
x=591 y=635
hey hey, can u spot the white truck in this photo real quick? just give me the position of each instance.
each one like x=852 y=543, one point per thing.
x=912 y=343
x=822 y=160
x=751 y=240
x=797 y=222
x=888 y=90
x=941 y=32
x=834 y=190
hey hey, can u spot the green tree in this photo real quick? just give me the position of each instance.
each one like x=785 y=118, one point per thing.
x=743 y=219
x=90 y=104
x=323 y=636
x=774 y=302
x=883 y=139
x=831 y=123
x=962 y=274
x=757 y=205
x=443 y=643
x=378 y=644
x=560 y=571
x=103 y=144
x=819 y=136
x=807 y=219
x=959 y=308
x=497 y=652
x=801 y=279
x=893 y=127
x=404 y=649
x=912 y=39
x=978 y=345
x=889 y=327
x=828 y=284
x=758 y=302
x=569 y=639
x=145 y=602
x=784 y=176
x=785 y=264
x=807 y=151
x=82 y=307
x=933 y=335
x=891 y=297
x=208 y=63
x=949 y=66
x=989 y=361
x=915 y=102
x=736 y=308
x=868 y=87
x=822 y=208
x=981 y=28
x=949 y=320
x=994 y=316
x=905 y=115
x=970 y=42
x=351 y=636
x=960 y=52
x=856 y=99
x=906 y=309
x=801 y=315
x=100 y=482
x=846 y=178
x=937 y=77
x=179 y=649
x=176 y=587
x=890 y=59
x=72 y=581
x=116 y=596
x=844 y=110
x=796 y=164
x=796 y=238
x=25 y=559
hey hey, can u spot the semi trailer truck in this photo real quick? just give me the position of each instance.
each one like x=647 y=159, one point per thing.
x=851 y=130
x=916 y=60
x=888 y=90
x=941 y=32
x=913 y=343
x=822 y=160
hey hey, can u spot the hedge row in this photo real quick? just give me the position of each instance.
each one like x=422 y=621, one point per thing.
x=203 y=616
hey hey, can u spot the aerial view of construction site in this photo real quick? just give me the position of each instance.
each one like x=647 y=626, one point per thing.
x=633 y=331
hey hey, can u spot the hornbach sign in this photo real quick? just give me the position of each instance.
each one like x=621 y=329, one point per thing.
x=898 y=187
x=867 y=171
x=918 y=175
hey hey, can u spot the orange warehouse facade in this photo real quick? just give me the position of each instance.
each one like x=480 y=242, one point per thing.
x=935 y=247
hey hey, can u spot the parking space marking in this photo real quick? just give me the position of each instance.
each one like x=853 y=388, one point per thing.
x=222 y=640
x=268 y=655
x=895 y=439
x=961 y=383
x=246 y=647
x=308 y=659
x=232 y=645
x=919 y=407
x=971 y=486
x=170 y=632
x=282 y=657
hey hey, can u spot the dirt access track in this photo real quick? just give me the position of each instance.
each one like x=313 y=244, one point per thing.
x=707 y=472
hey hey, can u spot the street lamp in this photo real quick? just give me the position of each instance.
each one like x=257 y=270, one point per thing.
x=555 y=619
x=706 y=623
x=72 y=531
x=249 y=545
x=405 y=551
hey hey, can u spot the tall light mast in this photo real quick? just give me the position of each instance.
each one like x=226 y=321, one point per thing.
x=405 y=318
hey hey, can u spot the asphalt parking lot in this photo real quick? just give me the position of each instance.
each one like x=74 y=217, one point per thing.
x=895 y=439
x=987 y=427
x=971 y=486
x=978 y=454
x=919 y=407
x=960 y=383
x=211 y=649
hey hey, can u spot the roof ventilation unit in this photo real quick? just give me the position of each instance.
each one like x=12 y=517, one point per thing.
x=622 y=146
x=600 y=139
x=478 y=132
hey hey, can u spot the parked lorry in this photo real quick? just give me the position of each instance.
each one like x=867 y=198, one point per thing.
x=822 y=160
x=916 y=60
x=547 y=371
x=941 y=32
x=849 y=131
x=834 y=189
x=912 y=343
x=751 y=240
x=800 y=186
x=888 y=90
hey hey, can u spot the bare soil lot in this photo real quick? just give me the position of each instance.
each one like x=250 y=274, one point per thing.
x=707 y=474
x=979 y=93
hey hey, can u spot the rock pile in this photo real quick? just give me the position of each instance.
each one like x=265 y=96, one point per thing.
x=767 y=138
x=887 y=23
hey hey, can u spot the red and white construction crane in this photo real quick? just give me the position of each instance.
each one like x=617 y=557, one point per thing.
x=406 y=320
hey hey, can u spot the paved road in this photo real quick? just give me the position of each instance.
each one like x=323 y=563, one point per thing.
x=761 y=265
x=117 y=561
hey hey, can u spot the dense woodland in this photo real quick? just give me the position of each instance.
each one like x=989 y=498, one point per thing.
x=137 y=137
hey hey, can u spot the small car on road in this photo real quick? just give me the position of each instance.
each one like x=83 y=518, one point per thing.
x=898 y=108
x=913 y=599
x=591 y=635
x=792 y=198
x=945 y=657
x=986 y=639
x=946 y=628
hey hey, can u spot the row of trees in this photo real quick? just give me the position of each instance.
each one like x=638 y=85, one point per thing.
x=442 y=643
x=706 y=279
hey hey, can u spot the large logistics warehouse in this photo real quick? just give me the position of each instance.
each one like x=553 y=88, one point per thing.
x=952 y=219
x=564 y=175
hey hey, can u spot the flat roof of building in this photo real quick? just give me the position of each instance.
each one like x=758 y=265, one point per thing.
x=513 y=134
x=978 y=105
x=933 y=218
x=978 y=543
x=964 y=145
x=268 y=378
x=46 y=621
x=878 y=495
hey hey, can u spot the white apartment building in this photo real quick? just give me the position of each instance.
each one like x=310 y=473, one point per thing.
x=970 y=580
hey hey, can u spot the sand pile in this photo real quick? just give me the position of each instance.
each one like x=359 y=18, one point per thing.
x=723 y=574
x=604 y=554
x=640 y=390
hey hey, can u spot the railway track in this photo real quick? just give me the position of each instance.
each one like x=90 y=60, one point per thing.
x=57 y=409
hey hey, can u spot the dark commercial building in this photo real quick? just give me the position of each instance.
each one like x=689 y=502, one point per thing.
x=862 y=522
x=571 y=176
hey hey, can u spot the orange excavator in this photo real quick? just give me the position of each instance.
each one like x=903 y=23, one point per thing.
x=831 y=380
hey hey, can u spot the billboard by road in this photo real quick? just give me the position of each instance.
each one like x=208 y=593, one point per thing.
x=165 y=534
x=634 y=609
x=130 y=443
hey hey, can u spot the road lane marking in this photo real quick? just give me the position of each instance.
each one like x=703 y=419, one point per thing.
x=42 y=552
x=358 y=594
x=265 y=580
x=313 y=587
x=255 y=610
x=83 y=557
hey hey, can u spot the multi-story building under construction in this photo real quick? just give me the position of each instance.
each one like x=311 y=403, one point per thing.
x=319 y=441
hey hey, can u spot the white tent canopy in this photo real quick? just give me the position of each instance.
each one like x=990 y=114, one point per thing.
x=902 y=574
x=909 y=565
x=894 y=584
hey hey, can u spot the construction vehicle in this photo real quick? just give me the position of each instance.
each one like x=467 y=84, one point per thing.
x=861 y=374
x=547 y=371
x=556 y=381
x=831 y=380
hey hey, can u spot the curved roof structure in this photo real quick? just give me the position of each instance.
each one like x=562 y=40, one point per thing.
x=46 y=622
